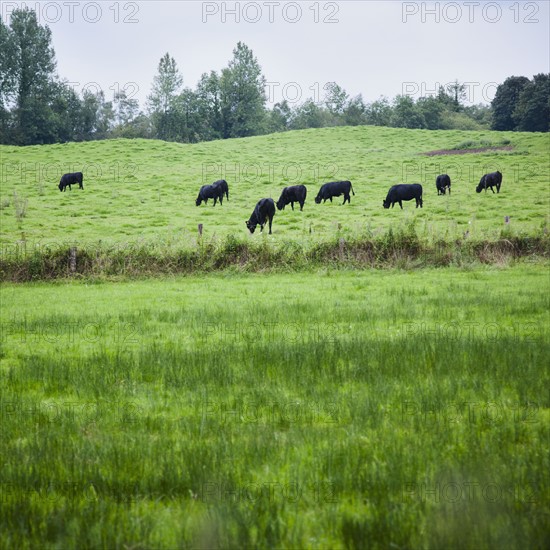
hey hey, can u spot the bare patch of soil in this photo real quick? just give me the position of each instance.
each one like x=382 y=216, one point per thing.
x=466 y=151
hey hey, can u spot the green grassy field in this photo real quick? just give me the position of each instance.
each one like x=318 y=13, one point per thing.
x=144 y=191
x=358 y=409
x=327 y=407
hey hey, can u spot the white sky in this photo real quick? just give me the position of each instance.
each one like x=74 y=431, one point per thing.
x=374 y=47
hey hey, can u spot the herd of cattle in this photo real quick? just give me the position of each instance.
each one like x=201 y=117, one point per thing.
x=265 y=208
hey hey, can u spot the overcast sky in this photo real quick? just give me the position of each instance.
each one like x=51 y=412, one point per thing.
x=373 y=48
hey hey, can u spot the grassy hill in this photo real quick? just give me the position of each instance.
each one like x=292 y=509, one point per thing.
x=141 y=190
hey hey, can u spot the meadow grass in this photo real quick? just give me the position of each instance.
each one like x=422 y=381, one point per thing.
x=326 y=409
x=144 y=190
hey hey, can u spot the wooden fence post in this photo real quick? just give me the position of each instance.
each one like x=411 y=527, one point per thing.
x=72 y=259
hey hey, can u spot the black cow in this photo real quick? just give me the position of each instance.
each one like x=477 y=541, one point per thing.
x=490 y=180
x=210 y=192
x=442 y=183
x=263 y=212
x=224 y=187
x=334 y=189
x=292 y=194
x=69 y=179
x=404 y=192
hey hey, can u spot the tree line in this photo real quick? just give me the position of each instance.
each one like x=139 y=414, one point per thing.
x=36 y=106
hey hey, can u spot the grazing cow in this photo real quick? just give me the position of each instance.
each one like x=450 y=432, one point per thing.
x=210 y=192
x=404 y=192
x=263 y=212
x=490 y=180
x=69 y=179
x=224 y=187
x=334 y=189
x=292 y=194
x=442 y=183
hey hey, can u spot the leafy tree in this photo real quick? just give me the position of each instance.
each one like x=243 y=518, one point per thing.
x=532 y=110
x=67 y=110
x=166 y=86
x=33 y=69
x=97 y=116
x=126 y=109
x=309 y=115
x=164 y=98
x=279 y=117
x=336 y=98
x=457 y=93
x=243 y=98
x=405 y=113
x=209 y=107
x=482 y=114
x=355 y=112
x=7 y=80
x=505 y=101
x=431 y=109
x=379 y=112
x=189 y=108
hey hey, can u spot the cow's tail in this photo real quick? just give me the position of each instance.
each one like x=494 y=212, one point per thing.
x=352 y=188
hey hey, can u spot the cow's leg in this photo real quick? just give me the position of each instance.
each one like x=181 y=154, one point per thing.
x=400 y=204
x=301 y=206
x=292 y=204
x=270 y=222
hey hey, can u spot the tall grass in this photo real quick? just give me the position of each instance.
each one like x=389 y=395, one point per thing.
x=347 y=410
x=399 y=247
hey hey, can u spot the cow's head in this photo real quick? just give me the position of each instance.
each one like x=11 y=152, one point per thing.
x=281 y=204
x=251 y=226
x=198 y=201
x=318 y=199
x=60 y=186
x=386 y=204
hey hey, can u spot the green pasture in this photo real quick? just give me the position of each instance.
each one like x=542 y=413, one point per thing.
x=349 y=409
x=144 y=191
